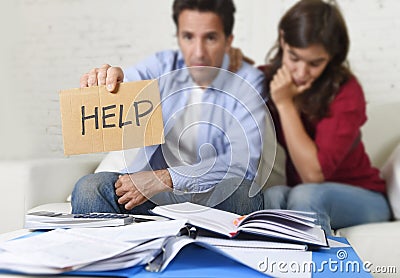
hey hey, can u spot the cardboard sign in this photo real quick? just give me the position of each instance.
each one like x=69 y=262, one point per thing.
x=95 y=120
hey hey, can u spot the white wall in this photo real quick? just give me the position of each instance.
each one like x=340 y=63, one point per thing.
x=58 y=40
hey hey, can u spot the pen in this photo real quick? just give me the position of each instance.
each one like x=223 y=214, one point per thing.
x=139 y=219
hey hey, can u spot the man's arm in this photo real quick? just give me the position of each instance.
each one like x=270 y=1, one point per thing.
x=136 y=188
x=151 y=68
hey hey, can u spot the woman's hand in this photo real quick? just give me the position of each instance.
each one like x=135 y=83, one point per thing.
x=283 y=89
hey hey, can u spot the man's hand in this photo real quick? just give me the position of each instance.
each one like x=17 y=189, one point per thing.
x=135 y=189
x=236 y=58
x=105 y=75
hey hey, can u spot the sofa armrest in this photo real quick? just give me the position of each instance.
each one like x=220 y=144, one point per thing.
x=377 y=243
x=52 y=180
x=382 y=120
x=28 y=183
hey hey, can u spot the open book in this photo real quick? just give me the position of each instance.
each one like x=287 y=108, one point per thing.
x=280 y=225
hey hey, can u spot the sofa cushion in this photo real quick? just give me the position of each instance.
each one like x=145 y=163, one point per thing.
x=376 y=243
x=391 y=173
x=56 y=207
x=116 y=161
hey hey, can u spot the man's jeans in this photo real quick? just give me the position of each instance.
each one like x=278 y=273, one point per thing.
x=96 y=193
x=337 y=205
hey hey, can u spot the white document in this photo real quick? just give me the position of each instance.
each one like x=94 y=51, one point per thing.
x=337 y=244
x=137 y=232
x=87 y=249
x=141 y=254
x=59 y=251
x=200 y=216
x=262 y=259
x=251 y=244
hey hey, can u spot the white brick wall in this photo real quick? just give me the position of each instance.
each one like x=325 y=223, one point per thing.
x=58 y=40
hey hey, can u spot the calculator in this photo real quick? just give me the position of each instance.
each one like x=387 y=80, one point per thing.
x=52 y=220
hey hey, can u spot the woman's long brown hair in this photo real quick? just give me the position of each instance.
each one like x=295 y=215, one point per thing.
x=314 y=22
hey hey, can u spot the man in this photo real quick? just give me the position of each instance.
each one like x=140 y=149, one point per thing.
x=213 y=122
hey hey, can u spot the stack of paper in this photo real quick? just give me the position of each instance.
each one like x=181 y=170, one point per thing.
x=156 y=243
x=88 y=249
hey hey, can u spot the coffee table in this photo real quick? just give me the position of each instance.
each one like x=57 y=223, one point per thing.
x=194 y=261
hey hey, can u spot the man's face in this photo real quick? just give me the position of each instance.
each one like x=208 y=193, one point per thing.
x=203 y=42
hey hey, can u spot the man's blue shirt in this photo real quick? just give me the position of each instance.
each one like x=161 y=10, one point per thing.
x=230 y=128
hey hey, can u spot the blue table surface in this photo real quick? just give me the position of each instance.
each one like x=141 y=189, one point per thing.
x=195 y=261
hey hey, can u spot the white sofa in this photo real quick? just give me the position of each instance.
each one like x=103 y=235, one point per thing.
x=46 y=184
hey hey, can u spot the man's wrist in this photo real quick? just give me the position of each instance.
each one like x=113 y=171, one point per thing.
x=165 y=178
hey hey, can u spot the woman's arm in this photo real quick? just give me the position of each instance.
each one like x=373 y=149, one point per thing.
x=302 y=149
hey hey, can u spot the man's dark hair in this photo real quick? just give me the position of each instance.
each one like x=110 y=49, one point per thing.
x=225 y=9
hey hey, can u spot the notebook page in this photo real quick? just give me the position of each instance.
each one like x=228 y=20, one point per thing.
x=218 y=221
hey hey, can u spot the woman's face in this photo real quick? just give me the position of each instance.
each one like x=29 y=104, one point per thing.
x=305 y=64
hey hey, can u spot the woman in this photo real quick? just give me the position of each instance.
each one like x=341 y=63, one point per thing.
x=318 y=108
